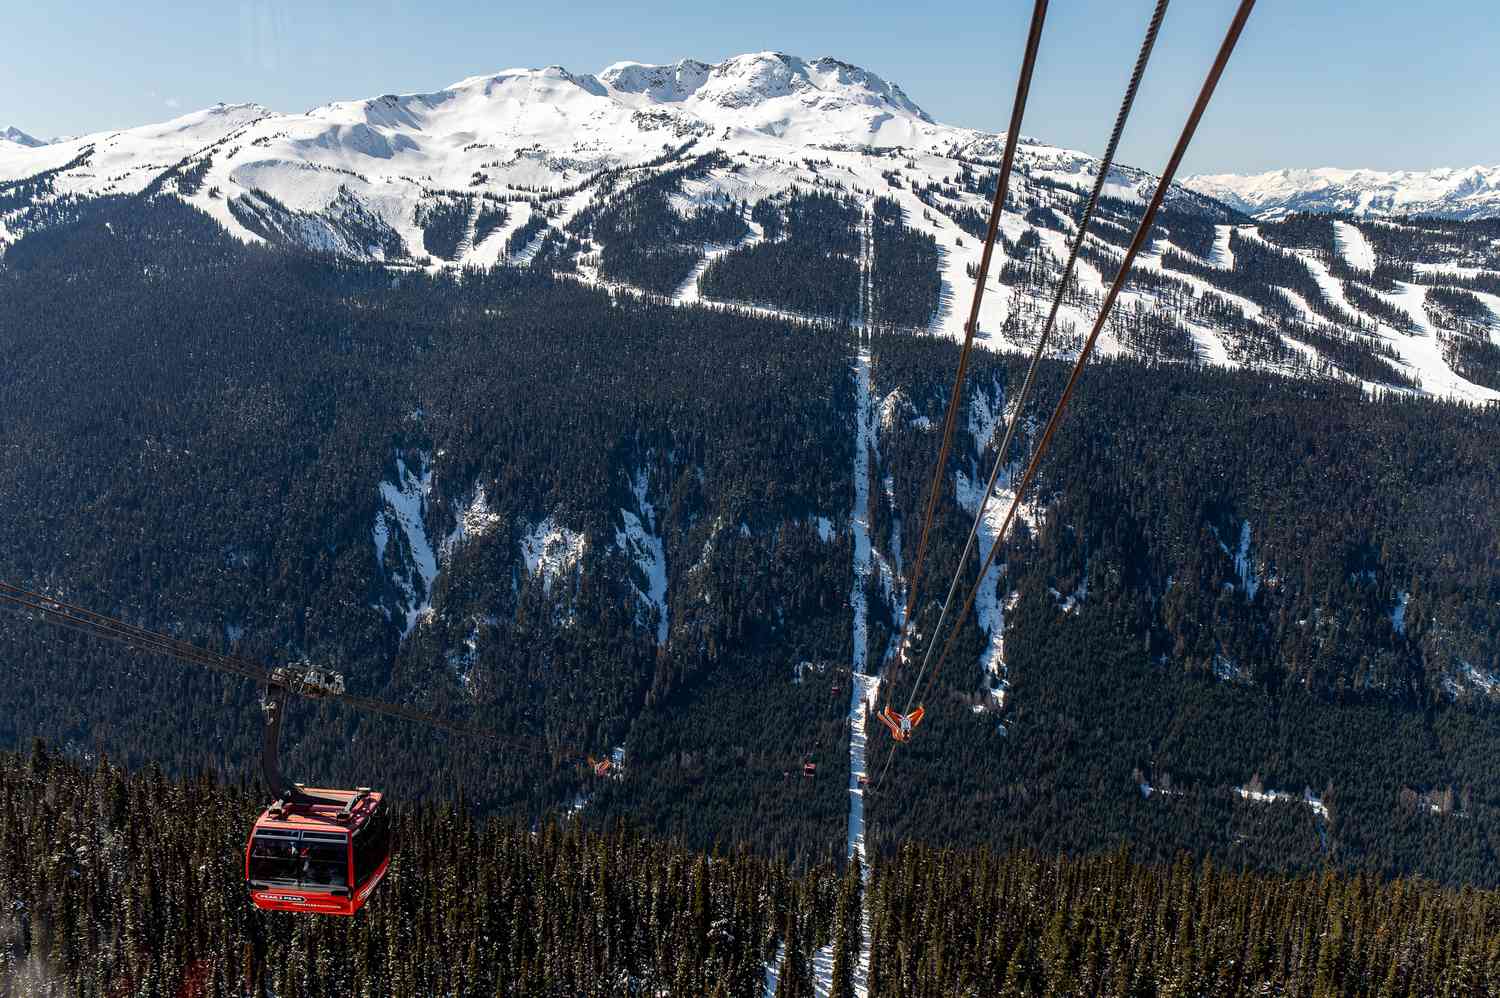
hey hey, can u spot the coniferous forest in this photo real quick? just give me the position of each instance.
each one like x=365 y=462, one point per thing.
x=131 y=885
x=1237 y=739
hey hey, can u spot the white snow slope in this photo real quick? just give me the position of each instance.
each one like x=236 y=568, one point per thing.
x=519 y=131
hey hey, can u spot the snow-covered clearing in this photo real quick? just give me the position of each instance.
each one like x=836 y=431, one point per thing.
x=1424 y=352
x=1227 y=670
x=1439 y=271
x=1312 y=800
x=1472 y=678
x=405 y=502
x=1356 y=249
x=474 y=520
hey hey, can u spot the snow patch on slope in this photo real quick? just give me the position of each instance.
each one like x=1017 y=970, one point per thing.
x=476 y=519
x=989 y=603
x=642 y=544
x=1398 y=615
x=404 y=505
x=1244 y=567
x=551 y=550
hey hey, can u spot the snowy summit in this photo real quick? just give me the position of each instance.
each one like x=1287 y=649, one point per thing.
x=13 y=136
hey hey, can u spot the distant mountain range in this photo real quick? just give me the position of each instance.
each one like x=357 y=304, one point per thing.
x=1468 y=193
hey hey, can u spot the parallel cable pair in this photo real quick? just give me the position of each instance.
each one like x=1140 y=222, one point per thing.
x=59 y=613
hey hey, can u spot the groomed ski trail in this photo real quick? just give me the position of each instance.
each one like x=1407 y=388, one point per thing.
x=471 y=227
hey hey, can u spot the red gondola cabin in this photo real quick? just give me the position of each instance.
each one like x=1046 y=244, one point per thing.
x=322 y=858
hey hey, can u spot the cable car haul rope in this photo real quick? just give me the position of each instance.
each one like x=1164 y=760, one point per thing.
x=901 y=724
x=318 y=851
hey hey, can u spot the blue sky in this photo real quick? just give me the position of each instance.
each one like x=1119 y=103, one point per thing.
x=1314 y=82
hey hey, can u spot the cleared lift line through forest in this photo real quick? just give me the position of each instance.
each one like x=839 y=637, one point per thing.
x=864 y=684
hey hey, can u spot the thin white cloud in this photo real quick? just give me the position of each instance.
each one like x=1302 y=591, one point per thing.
x=263 y=33
x=172 y=102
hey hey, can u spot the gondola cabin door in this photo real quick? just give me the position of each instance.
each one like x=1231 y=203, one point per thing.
x=319 y=858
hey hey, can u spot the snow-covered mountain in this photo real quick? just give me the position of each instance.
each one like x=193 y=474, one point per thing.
x=13 y=136
x=1468 y=193
x=521 y=165
x=530 y=129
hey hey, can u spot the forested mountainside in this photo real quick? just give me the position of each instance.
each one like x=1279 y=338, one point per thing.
x=105 y=897
x=1248 y=616
x=810 y=187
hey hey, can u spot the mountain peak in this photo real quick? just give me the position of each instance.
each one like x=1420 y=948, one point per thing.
x=755 y=78
x=20 y=138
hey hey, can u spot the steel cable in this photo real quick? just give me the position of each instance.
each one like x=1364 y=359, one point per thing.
x=1002 y=188
x=1041 y=346
x=1142 y=236
x=63 y=614
x=1205 y=94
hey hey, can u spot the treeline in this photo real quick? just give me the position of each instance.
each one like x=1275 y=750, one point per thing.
x=947 y=923
x=120 y=884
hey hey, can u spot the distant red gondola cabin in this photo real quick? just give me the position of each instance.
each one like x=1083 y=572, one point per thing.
x=319 y=858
